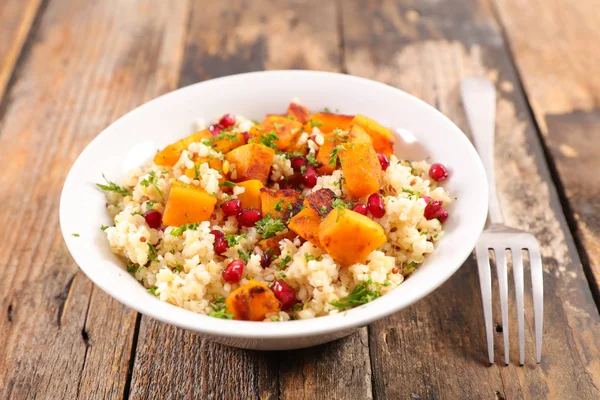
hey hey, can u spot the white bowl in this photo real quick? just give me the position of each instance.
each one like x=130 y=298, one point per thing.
x=134 y=138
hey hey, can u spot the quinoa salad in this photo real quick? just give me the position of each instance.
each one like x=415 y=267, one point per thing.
x=299 y=216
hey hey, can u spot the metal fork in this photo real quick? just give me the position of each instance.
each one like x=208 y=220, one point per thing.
x=479 y=100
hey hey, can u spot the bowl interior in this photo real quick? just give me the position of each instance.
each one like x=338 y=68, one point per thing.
x=133 y=140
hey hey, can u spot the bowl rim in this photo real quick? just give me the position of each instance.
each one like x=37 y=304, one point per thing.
x=350 y=319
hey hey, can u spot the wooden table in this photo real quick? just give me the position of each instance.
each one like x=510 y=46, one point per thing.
x=68 y=68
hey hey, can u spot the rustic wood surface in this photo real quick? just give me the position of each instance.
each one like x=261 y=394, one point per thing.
x=71 y=67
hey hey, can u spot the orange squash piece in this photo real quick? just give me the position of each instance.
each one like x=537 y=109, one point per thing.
x=287 y=130
x=272 y=244
x=251 y=196
x=327 y=122
x=213 y=162
x=306 y=225
x=326 y=152
x=278 y=203
x=252 y=161
x=360 y=165
x=227 y=141
x=350 y=237
x=383 y=138
x=252 y=302
x=187 y=205
x=300 y=113
x=169 y=155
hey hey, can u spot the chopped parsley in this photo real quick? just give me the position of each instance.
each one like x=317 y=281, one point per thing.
x=339 y=182
x=136 y=213
x=228 y=184
x=278 y=205
x=150 y=204
x=335 y=153
x=131 y=267
x=113 y=187
x=285 y=261
x=269 y=227
x=76 y=234
x=153 y=290
x=234 y=240
x=151 y=253
x=197 y=172
x=327 y=110
x=411 y=192
x=361 y=294
x=315 y=123
x=303 y=169
x=183 y=228
x=103 y=227
x=269 y=140
x=339 y=204
x=275 y=319
x=178 y=267
x=152 y=179
x=219 y=309
x=310 y=158
x=310 y=257
x=411 y=266
x=244 y=256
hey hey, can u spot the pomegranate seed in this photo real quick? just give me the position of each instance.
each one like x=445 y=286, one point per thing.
x=360 y=208
x=441 y=215
x=438 y=172
x=246 y=136
x=217 y=234
x=215 y=129
x=383 y=160
x=298 y=163
x=285 y=294
x=309 y=177
x=153 y=218
x=227 y=121
x=231 y=207
x=233 y=272
x=220 y=245
x=265 y=259
x=432 y=208
x=376 y=206
x=248 y=217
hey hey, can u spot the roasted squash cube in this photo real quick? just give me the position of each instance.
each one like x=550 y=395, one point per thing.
x=252 y=161
x=170 y=155
x=327 y=122
x=287 y=130
x=272 y=244
x=383 y=138
x=325 y=154
x=188 y=204
x=251 y=196
x=321 y=201
x=306 y=225
x=300 y=113
x=252 y=302
x=278 y=203
x=224 y=142
x=359 y=135
x=350 y=237
x=361 y=168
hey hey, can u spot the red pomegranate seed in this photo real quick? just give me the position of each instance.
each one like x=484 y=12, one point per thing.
x=246 y=136
x=215 y=129
x=153 y=218
x=265 y=259
x=309 y=177
x=248 y=217
x=233 y=272
x=376 y=206
x=217 y=234
x=227 y=121
x=438 y=172
x=442 y=215
x=232 y=207
x=220 y=245
x=298 y=163
x=432 y=207
x=360 y=208
x=285 y=294
x=383 y=160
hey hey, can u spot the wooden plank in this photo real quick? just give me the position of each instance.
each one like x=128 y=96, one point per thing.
x=554 y=44
x=437 y=346
x=227 y=38
x=16 y=20
x=89 y=63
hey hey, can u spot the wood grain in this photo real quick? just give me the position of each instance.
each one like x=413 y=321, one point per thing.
x=226 y=38
x=88 y=63
x=437 y=346
x=554 y=44
x=16 y=20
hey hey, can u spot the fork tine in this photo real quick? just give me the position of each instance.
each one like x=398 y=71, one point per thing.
x=517 y=267
x=535 y=261
x=485 y=282
x=503 y=286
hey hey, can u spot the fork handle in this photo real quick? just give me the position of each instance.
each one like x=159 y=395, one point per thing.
x=479 y=100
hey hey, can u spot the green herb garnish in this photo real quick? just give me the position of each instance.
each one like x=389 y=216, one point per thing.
x=315 y=123
x=335 y=153
x=153 y=290
x=269 y=227
x=151 y=253
x=152 y=179
x=228 y=184
x=310 y=158
x=269 y=140
x=234 y=240
x=103 y=227
x=131 y=267
x=219 y=309
x=278 y=205
x=76 y=234
x=197 y=172
x=361 y=294
x=244 y=256
x=183 y=228
x=310 y=257
x=113 y=187
x=285 y=261
x=150 y=204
